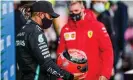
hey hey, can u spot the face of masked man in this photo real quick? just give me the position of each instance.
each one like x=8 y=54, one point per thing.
x=76 y=10
x=46 y=20
x=99 y=5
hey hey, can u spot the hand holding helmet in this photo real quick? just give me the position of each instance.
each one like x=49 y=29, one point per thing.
x=74 y=61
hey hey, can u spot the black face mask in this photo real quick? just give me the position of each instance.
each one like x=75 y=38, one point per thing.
x=75 y=17
x=46 y=23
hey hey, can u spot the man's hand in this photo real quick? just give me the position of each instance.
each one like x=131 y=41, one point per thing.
x=113 y=72
x=78 y=76
x=102 y=78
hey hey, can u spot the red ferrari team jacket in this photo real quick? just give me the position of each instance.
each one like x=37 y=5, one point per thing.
x=90 y=36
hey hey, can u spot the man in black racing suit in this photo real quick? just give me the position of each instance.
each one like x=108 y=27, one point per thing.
x=33 y=55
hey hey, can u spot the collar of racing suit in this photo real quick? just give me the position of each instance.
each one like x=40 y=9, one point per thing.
x=31 y=21
x=89 y=16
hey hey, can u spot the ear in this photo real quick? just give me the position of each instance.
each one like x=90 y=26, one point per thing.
x=41 y=15
x=82 y=7
x=46 y=14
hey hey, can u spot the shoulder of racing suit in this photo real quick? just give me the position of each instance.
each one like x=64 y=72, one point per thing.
x=31 y=26
x=90 y=14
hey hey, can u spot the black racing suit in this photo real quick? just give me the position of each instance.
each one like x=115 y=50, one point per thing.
x=33 y=55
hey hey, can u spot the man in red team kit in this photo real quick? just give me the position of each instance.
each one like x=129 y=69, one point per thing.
x=85 y=33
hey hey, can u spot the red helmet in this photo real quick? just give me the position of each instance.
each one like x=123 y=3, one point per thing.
x=73 y=61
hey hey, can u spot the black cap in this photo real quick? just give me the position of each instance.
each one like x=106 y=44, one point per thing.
x=44 y=6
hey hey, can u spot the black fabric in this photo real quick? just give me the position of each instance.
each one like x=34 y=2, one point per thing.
x=32 y=51
x=128 y=76
x=66 y=55
x=121 y=23
x=75 y=17
x=46 y=23
x=44 y=6
x=108 y=21
x=19 y=21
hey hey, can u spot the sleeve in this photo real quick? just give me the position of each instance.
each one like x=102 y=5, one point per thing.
x=123 y=25
x=38 y=44
x=108 y=24
x=105 y=50
x=61 y=44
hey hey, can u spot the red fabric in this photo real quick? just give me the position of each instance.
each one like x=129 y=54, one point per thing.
x=90 y=36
